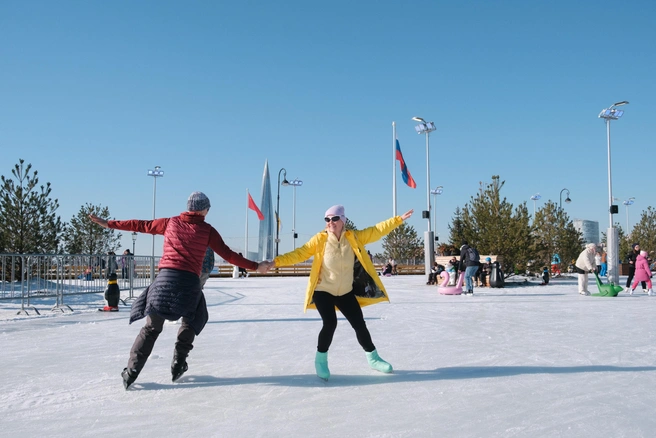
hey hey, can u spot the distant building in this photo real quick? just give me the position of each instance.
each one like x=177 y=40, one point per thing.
x=589 y=230
x=265 y=241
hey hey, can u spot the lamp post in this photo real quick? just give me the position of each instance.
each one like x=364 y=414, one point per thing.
x=425 y=127
x=284 y=183
x=155 y=174
x=627 y=203
x=608 y=114
x=535 y=198
x=436 y=191
x=566 y=199
x=134 y=240
x=294 y=183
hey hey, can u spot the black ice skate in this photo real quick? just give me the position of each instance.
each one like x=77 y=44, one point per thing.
x=129 y=376
x=178 y=368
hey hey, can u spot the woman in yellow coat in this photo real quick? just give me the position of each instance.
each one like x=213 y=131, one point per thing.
x=342 y=277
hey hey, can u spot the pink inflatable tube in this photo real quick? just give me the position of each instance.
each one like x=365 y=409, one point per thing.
x=451 y=290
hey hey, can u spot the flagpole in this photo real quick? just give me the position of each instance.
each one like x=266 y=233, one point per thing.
x=393 y=168
x=246 y=242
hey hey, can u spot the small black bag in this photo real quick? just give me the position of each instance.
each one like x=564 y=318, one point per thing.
x=363 y=284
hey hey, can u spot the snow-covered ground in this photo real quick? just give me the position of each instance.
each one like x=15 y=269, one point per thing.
x=523 y=361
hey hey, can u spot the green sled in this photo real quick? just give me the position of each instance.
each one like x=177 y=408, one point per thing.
x=606 y=290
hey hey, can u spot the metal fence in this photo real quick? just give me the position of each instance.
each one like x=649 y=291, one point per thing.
x=27 y=277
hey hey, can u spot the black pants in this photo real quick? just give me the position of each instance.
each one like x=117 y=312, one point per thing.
x=149 y=333
x=629 y=279
x=350 y=308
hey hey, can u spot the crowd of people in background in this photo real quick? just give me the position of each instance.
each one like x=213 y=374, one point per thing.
x=476 y=272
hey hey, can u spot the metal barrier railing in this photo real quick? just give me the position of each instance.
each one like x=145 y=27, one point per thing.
x=27 y=277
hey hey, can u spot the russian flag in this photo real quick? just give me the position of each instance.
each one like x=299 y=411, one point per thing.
x=407 y=178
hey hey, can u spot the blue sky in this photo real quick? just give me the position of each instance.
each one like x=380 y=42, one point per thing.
x=96 y=93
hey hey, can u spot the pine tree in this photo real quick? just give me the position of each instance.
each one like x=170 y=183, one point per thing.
x=456 y=229
x=490 y=225
x=554 y=233
x=403 y=244
x=644 y=232
x=349 y=225
x=28 y=223
x=82 y=236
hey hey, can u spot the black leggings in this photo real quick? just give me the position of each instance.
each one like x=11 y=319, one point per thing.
x=350 y=308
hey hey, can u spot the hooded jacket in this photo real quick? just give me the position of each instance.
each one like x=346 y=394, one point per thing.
x=586 y=260
x=357 y=239
x=642 y=271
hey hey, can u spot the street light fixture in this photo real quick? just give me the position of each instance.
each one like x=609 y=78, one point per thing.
x=425 y=127
x=627 y=203
x=157 y=173
x=284 y=183
x=436 y=191
x=134 y=240
x=535 y=198
x=294 y=183
x=608 y=114
x=566 y=199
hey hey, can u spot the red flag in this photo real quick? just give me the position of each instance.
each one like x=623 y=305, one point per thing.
x=405 y=173
x=252 y=206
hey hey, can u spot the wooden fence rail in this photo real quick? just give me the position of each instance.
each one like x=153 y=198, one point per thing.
x=304 y=271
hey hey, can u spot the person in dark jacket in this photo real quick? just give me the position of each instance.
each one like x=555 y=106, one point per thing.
x=176 y=291
x=632 y=258
x=468 y=266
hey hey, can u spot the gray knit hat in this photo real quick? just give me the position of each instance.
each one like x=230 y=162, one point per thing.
x=198 y=202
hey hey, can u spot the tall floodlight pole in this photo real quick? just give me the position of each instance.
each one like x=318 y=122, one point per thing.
x=435 y=192
x=627 y=203
x=612 y=238
x=294 y=183
x=566 y=199
x=535 y=198
x=157 y=173
x=425 y=127
x=284 y=183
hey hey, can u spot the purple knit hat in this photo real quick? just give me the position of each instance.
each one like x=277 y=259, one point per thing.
x=336 y=210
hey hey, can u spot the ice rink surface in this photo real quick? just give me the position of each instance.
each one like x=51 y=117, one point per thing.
x=522 y=361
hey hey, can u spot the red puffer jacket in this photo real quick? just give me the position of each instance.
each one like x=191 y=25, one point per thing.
x=186 y=237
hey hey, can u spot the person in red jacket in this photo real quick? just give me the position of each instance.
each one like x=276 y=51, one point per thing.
x=176 y=290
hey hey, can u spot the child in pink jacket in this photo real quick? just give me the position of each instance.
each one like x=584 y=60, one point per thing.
x=642 y=273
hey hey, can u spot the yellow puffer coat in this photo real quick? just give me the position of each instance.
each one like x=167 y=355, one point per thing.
x=357 y=239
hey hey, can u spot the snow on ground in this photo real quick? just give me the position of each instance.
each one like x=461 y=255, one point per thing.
x=523 y=361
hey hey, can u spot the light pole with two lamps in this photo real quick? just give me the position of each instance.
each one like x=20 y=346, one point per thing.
x=425 y=127
x=627 y=203
x=535 y=198
x=612 y=238
x=294 y=183
x=157 y=173
x=566 y=199
x=284 y=183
